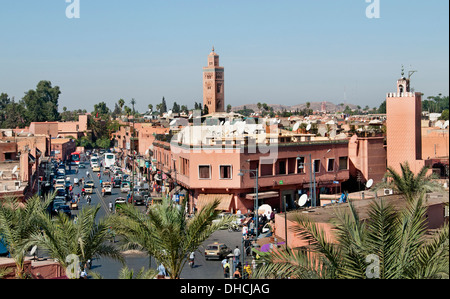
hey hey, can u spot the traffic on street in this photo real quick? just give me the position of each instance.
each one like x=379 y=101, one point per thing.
x=92 y=179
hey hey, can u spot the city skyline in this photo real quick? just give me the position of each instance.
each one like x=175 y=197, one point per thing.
x=290 y=52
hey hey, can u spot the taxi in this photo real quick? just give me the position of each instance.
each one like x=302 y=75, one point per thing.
x=216 y=251
x=89 y=189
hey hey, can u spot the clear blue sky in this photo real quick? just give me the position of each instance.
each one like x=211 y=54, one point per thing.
x=286 y=52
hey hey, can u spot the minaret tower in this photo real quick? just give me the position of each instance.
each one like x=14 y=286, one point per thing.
x=403 y=124
x=213 y=84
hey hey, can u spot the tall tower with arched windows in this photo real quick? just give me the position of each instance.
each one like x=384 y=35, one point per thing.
x=213 y=84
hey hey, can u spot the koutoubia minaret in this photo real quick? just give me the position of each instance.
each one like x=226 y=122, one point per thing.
x=213 y=84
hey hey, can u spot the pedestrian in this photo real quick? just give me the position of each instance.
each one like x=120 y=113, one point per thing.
x=247 y=270
x=237 y=274
x=161 y=271
x=226 y=270
x=251 y=227
x=224 y=261
x=237 y=254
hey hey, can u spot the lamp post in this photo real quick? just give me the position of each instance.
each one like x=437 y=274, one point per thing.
x=255 y=203
x=133 y=101
x=312 y=179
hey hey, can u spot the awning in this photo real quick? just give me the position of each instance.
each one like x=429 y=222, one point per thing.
x=225 y=201
x=262 y=195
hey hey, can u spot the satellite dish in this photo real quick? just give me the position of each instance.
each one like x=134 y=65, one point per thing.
x=369 y=183
x=265 y=209
x=190 y=116
x=33 y=250
x=170 y=112
x=308 y=127
x=302 y=200
x=296 y=126
x=14 y=169
x=173 y=122
x=289 y=118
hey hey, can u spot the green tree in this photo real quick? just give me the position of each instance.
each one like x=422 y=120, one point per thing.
x=121 y=103
x=104 y=143
x=444 y=115
x=101 y=110
x=166 y=232
x=14 y=115
x=18 y=224
x=42 y=104
x=163 y=107
x=382 y=108
x=407 y=183
x=86 y=238
x=229 y=107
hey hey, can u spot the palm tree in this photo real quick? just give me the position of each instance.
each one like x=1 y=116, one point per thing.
x=121 y=103
x=86 y=237
x=409 y=184
x=165 y=232
x=390 y=245
x=17 y=223
x=126 y=273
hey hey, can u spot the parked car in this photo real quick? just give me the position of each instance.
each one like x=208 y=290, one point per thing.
x=216 y=250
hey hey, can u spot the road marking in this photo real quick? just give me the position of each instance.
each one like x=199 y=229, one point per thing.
x=102 y=201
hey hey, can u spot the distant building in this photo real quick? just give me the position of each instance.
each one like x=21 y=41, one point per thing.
x=213 y=85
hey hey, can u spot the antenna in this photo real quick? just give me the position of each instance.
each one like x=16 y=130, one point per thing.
x=410 y=73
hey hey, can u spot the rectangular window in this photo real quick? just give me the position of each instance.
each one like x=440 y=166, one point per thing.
x=281 y=167
x=225 y=172
x=330 y=166
x=316 y=166
x=266 y=169
x=343 y=163
x=204 y=172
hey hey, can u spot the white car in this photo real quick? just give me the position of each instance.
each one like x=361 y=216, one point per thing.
x=107 y=186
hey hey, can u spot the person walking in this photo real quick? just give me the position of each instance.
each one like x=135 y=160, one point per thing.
x=237 y=254
x=226 y=269
x=237 y=274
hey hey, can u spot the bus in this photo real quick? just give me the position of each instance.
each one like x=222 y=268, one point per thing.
x=75 y=157
x=110 y=160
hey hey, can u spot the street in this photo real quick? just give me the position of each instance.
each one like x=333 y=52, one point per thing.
x=109 y=269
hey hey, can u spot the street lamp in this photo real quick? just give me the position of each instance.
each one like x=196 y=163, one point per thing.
x=312 y=179
x=255 y=203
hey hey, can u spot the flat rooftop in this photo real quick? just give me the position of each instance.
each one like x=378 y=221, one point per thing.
x=326 y=213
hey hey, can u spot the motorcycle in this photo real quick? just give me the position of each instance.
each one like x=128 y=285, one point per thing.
x=233 y=227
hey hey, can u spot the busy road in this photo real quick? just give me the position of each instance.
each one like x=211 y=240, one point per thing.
x=109 y=269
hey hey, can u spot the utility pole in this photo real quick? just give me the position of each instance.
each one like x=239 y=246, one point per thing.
x=133 y=101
